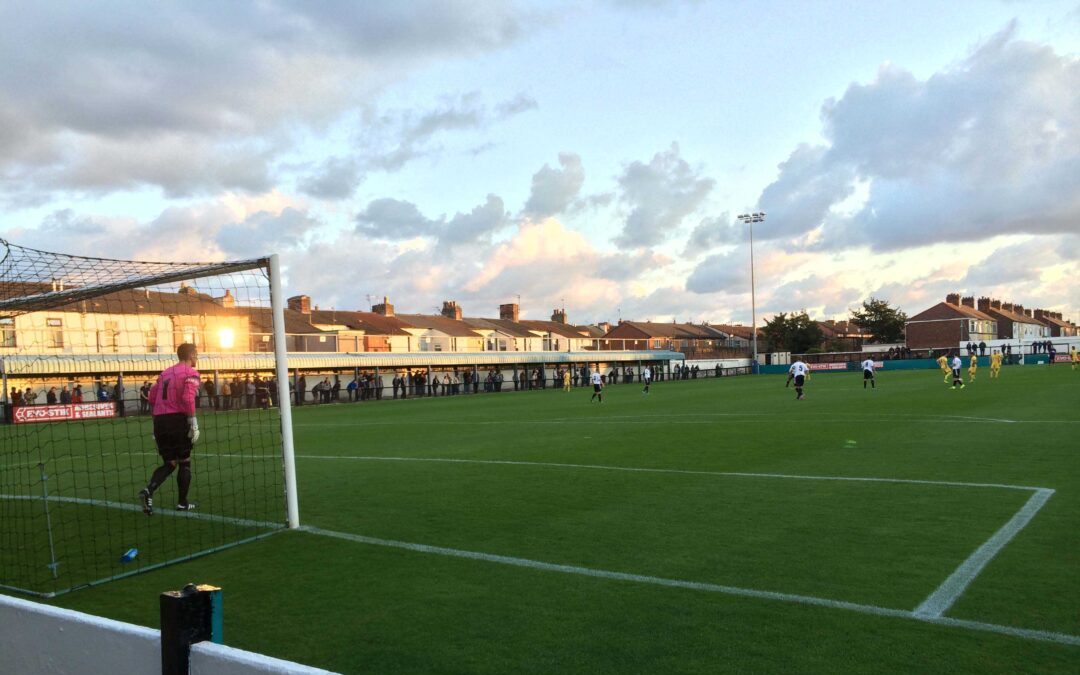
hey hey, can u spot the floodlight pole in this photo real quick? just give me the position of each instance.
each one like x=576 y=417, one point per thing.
x=750 y=219
x=281 y=371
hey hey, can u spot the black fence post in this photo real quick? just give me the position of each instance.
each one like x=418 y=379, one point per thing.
x=188 y=616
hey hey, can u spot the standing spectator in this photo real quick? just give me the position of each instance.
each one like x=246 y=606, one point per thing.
x=249 y=392
x=211 y=394
x=16 y=398
x=446 y=385
x=144 y=398
x=226 y=394
x=50 y=396
x=351 y=390
x=262 y=393
x=335 y=389
x=65 y=395
x=76 y=394
x=515 y=379
x=118 y=396
x=301 y=388
x=455 y=384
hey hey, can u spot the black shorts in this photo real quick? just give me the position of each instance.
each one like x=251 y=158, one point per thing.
x=867 y=374
x=956 y=373
x=597 y=388
x=171 y=435
x=799 y=379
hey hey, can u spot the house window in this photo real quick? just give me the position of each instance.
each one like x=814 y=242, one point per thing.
x=109 y=339
x=150 y=337
x=55 y=333
x=7 y=332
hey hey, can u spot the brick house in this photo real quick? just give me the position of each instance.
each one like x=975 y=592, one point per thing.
x=1013 y=321
x=950 y=323
x=1058 y=326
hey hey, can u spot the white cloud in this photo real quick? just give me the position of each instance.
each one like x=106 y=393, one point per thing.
x=390 y=141
x=988 y=146
x=103 y=97
x=659 y=195
x=554 y=190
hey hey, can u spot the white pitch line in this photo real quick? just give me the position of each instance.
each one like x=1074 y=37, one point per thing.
x=631 y=469
x=938 y=602
x=1046 y=636
x=243 y=522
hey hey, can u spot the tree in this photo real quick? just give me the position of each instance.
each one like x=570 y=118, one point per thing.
x=797 y=333
x=882 y=322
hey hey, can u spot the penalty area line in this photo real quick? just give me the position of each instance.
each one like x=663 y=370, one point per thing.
x=1045 y=636
x=939 y=602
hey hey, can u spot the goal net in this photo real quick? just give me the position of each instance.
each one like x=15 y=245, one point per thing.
x=81 y=342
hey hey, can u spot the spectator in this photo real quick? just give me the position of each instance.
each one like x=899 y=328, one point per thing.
x=50 y=396
x=226 y=394
x=16 y=397
x=144 y=398
x=118 y=396
x=301 y=390
x=65 y=395
x=76 y=394
x=208 y=388
x=351 y=390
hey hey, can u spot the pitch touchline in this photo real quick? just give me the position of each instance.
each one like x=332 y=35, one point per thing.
x=1047 y=636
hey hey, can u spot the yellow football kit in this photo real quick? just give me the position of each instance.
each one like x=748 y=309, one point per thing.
x=943 y=363
x=972 y=368
x=1075 y=357
x=995 y=365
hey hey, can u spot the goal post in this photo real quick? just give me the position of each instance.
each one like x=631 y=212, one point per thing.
x=81 y=341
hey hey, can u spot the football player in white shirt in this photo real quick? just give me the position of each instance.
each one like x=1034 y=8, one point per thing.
x=956 y=365
x=798 y=371
x=868 y=373
x=646 y=377
x=597 y=387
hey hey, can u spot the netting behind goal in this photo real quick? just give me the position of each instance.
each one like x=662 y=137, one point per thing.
x=81 y=340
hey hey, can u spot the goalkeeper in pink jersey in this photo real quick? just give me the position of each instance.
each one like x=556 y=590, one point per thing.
x=172 y=403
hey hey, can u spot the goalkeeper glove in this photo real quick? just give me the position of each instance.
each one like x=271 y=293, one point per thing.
x=193 y=429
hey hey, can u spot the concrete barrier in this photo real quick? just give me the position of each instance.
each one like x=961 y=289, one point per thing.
x=37 y=639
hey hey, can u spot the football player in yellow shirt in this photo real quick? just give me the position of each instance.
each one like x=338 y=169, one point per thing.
x=995 y=365
x=566 y=380
x=1075 y=357
x=943 y=363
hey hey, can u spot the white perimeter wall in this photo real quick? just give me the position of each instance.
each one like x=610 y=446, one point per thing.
x=40 y=639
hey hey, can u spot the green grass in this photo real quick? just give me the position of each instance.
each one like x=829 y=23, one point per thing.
x=358 y=607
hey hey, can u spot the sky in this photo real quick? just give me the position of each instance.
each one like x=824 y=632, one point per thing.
x=586 y=155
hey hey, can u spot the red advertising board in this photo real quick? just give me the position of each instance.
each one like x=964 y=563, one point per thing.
x=63 y=413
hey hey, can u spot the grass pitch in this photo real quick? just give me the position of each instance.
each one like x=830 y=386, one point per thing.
x=701 y=528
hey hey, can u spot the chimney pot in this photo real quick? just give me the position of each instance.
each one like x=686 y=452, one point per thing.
x=451 y=310
x=509 y=312
x=300 y=303
x=384 y=308
x=953 y=298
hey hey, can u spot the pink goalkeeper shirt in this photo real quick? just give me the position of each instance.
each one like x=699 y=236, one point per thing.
x=175 y=391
